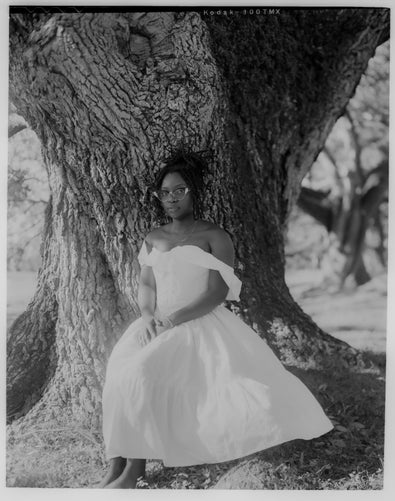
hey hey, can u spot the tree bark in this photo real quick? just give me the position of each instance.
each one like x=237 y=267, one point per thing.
x=110 y=96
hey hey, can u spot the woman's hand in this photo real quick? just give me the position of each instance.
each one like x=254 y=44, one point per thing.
x=161 y=328
x=163 y=324
x=149 y=331
x=153 y=327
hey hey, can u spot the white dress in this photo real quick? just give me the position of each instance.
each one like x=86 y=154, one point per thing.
x=206 y=391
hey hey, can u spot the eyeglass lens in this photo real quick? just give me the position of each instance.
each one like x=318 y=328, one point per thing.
x=177 y=194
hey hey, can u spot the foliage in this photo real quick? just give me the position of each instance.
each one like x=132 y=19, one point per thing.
x=370 y=105
x=28 y=192
x=18 y=189
x=350 y=178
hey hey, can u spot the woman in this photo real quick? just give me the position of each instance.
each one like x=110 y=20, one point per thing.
x=189 y=382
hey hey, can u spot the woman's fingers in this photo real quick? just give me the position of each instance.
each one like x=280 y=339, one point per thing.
x=153 y=323
x=151 y=331
x=160 y=329
x=144 y=337
x=147 y=335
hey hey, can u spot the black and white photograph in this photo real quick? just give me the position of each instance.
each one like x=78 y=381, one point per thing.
x=196 y=235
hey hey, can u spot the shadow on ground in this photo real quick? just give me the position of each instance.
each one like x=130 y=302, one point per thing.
x=348 y=457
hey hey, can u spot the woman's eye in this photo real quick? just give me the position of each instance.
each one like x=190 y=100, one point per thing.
x=180 y=191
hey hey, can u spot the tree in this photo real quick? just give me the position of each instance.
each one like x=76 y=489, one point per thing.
x=27 y=197
x=110 y=96
x=353 y=203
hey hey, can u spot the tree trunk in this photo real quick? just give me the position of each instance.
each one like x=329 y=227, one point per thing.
x=110 y=95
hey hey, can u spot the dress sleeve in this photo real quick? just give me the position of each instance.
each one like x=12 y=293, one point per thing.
x=193 y=254
x=227 y=273
x=143 y=256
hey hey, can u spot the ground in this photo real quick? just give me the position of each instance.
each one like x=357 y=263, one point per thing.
x=349 y=457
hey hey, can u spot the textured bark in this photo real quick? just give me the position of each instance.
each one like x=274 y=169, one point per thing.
x=110 y=95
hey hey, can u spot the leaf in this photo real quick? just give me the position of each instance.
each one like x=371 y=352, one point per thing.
x=358 y=426
x=339 y=443
x=341 y=428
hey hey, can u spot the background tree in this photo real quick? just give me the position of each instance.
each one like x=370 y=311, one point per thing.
x=28 y=193
x=110 y=96
x=355 y=201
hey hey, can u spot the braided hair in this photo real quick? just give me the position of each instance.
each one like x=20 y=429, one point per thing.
x=191 y=168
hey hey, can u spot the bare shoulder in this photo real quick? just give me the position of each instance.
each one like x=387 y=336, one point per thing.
x=153 y=236
x=220 y=242
x=218 y=236
x=157 y=235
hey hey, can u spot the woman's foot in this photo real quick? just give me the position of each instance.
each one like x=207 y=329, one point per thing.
x=134 y=469
x=117 y=466
x=122 y=482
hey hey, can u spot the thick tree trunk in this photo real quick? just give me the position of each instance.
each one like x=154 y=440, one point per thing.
x=110 y=95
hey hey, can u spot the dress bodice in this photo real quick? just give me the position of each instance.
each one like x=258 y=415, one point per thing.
x=181 y=275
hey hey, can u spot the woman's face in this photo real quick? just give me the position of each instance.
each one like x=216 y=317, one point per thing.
x=176 y=209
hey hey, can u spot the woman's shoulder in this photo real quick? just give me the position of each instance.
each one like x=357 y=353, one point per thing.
x=220 y=242
x=216 y=235
x=156 y=235
x=214 y=229
x=156 y=232
x=151 y=237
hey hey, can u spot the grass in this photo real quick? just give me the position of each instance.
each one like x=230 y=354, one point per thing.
x=349 y=457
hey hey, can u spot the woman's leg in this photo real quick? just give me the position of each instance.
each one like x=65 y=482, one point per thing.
x=134 y=469
x=117 y=466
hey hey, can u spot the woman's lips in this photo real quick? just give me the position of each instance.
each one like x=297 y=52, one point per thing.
x=172 y=209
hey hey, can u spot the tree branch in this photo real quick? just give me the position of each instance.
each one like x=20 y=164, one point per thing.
x=314 y=203
x=13 y=130
x=357 y=148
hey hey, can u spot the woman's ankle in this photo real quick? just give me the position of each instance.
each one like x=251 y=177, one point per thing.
x=117 y=465
x=135 y=468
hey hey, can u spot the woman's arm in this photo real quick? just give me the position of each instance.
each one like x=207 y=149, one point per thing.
x=146 y=299
x=222 y=248
x=146 y=295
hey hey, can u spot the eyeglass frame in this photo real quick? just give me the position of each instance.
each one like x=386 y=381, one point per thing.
x=187 y=190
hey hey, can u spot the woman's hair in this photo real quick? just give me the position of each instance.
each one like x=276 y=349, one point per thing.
x=191 y=168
